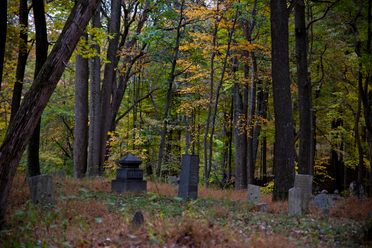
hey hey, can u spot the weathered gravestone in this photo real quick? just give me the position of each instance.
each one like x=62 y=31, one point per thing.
x=305 y=183
x=295 y=201
x=324 y=201
x=129 y=177
x=173 y=180
x=188 y=184
x=138 y=219
x=253 y=194
x=41 y=189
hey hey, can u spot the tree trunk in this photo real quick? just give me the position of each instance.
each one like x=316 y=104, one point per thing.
x=22 y=58
x=33 y=161
x=168 y=103
x=358 y=142
x=3 y=29
x=284 y=136
x=218 y=89
x=81 y=117
x=109 y=78
x=210 y=103
x=95 y=106
x=22 y=126
x=240 y=135
x=252 y=139
x=304 y=90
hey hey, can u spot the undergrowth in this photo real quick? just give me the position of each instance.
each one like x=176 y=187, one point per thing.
x=87 y=214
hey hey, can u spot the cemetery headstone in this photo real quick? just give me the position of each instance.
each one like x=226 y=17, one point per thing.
x=173 y=180
x=305 y=183
x=138 y=219
x=253 y=193
x=129 y=177
x=323 y=201
x=262 y=207
x=189 y=178
x=41 y=189
x=295 y=201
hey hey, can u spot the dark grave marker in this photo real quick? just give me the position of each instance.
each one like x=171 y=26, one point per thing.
x=41 y=189
x=129 y=177
x=189 y=178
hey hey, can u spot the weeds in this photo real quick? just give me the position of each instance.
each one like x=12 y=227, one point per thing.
x=87 y=214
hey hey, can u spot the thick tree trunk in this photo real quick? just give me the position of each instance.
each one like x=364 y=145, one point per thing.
x=22 y=58
x=33 y=161
x=81 y=117
x=304 y=90
x=22 y=126
x=95 y=106
x=240 y=135
x=3 y=31
x=284 y=136
x=109 y=78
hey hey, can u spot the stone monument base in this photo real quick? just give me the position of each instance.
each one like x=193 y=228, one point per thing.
x=136 y=186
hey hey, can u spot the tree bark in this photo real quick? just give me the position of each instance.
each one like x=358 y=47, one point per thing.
x=240 y=135
x=304 y=90
x=3 y=31
x=22 y=58
x=284 y=136
x=95 y=123
x=33 y=161
x=22 y=126
x=81 y=117
x=109 y=78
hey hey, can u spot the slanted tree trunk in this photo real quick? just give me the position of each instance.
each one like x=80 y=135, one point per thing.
x=81 y=117
x=33 y=161
x=95 y=122
x=24 y=122
x=284 y=136
x=304 y=91
x=3 y=29
x=22 y=58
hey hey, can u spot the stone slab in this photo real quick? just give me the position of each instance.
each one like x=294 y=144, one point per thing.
x=253 y=194
x=189 y=177
x=41 y=189
x=305 y=183
x=294 y=201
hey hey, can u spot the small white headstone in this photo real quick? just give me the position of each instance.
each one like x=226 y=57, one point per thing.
x=294 y=201
x=253 y=193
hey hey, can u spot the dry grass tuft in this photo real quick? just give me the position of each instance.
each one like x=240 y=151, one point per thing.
x=162 y=189
x=262 y=240
x=353 y=208
x=196 y=233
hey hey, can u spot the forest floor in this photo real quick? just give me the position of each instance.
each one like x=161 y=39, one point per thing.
x=87 y=214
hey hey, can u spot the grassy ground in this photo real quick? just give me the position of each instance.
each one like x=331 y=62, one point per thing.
x=87 y=214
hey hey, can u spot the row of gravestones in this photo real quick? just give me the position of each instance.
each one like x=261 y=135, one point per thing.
x=129 y=178
x=299 y=197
